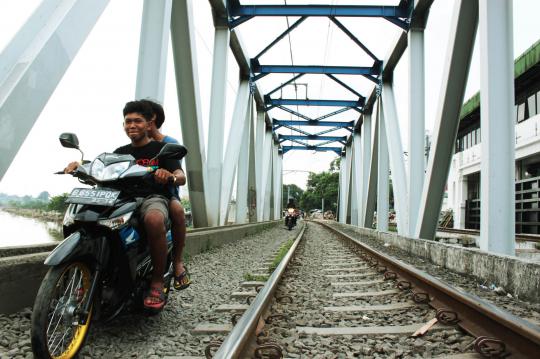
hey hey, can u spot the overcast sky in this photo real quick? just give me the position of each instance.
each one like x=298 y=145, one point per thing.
x=90 y=97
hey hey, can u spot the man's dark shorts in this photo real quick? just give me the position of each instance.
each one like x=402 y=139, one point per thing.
x=155 y=203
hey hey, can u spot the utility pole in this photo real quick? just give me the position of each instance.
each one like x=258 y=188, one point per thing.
x=322 y=205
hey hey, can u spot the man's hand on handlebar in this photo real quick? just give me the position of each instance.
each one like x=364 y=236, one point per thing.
x=71 y=167
x=163 y=176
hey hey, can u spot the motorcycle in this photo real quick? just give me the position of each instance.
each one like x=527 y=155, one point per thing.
x=290 y=218
x=103 y=265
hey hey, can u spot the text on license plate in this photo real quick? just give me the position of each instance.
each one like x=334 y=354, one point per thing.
x=93 y=196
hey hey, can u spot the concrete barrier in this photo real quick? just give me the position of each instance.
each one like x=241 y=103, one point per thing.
x=22 y=268
x=518 y=276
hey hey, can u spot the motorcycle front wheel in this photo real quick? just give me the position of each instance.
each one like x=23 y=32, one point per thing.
x=57 y=331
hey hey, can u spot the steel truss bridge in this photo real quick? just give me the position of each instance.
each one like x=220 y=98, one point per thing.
x=33 y=64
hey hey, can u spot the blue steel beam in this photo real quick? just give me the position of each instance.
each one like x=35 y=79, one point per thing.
x=238 y=21
x=336 y=124
x=327 y=131
x=300 y=142
x=235 y=9
x=313 y=138
x=285 y=84
x=332 y=113
x=312 y=148
x=398 y=22
x=295 y=102
x=344 y=85
x=369 y=77
x=293 y=129
x=292 y=112
x=354 y=39
x=259 y=69
x=291 y=28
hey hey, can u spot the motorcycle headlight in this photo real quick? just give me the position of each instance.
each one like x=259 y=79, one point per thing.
x=111 y=172
x=116 y=222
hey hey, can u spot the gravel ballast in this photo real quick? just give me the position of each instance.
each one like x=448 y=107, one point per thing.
x=215 y=275
x=523 y=309
x=311 y=291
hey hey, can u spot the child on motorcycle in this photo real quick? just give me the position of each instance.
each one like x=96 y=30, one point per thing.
x=176 y=211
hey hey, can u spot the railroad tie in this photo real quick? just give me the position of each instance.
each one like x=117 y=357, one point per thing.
x=370 y=308
x=232 y=308
x=209 y=328
x=243 y=295
x=357 y=284
x=398 y=329
x=351 y=275
x=346 y=269
x=365 y=294
x=252 y=283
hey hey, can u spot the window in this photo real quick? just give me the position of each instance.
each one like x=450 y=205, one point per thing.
x=531 y=102
x=521 y=112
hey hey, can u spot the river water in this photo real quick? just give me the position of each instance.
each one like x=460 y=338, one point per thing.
x=20 y=231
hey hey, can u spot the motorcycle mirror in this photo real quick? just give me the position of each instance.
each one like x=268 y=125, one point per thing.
x=69 y=140
x=172 y=151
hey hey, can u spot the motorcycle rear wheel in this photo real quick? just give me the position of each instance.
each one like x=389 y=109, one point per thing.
x=56 y=329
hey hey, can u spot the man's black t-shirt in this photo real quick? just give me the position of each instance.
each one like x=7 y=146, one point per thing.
x=144 y=156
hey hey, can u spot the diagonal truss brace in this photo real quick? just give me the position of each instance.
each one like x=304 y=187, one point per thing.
x=337 y=150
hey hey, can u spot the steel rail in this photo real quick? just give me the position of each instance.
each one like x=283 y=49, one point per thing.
x=523 y=237
x=235 y=343
x=476 y=316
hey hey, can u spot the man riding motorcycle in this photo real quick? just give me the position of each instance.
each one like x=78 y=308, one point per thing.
x=154 y=209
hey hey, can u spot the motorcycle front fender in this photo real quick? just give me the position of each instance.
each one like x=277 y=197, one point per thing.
x=64 y=249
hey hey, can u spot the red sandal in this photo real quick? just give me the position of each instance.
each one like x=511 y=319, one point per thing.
x=154 y=299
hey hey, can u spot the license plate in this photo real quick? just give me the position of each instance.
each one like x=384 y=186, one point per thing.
x=102 y=197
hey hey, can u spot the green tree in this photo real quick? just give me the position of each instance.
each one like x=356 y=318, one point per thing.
x=58 y=203
x=319 y=186
x=294 y=192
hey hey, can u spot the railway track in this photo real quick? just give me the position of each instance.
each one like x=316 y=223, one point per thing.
x=339 y=298
x=523 y=237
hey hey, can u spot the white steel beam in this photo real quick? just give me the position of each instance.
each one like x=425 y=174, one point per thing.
x=253 y=160
x=397 y=161
x=370 y=196
x=348 y=185
x=234 y=145
x=497 y=208
x=456 y=70
x=260 y=136
x=267 y=175
x=218 y=98
x=383 y=173
x=276 y=182
x=187 y=85
x=357 y=185
x=280 y=179
x=342 y=190
x=34 y=62
x=416 y=124
x=153 y=49
x=242 y=176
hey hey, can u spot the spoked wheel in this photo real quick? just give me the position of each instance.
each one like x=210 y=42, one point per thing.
x=57 y=331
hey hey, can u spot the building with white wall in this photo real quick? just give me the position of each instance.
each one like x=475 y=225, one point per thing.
x=464 y=176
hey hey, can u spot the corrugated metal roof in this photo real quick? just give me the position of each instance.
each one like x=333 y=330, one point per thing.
x=522 y=64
